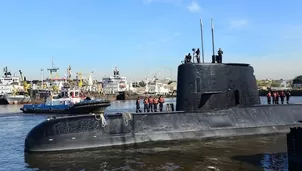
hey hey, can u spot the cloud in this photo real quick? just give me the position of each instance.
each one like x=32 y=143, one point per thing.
x=194 y=7
x=238 y=24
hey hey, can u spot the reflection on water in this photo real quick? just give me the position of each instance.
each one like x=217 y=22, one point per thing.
x=234 y=154
x=10 y=109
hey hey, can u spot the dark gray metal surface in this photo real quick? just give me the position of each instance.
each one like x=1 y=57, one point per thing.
x=210 y=86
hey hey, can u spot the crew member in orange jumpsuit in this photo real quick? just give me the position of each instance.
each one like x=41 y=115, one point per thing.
x=269 y=97
x=150 y=103
x=155 y=103
x=161 y=103
x=277 y=97
x=274 y=97
x=146 y=105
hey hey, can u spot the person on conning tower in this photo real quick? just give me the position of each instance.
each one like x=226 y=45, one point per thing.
x=219 y=57
x=188 y=58
x=197 y=53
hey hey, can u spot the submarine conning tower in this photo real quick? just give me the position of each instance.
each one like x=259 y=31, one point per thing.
x=215 y=86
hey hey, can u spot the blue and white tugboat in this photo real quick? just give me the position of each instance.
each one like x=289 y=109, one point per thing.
x=69 y=101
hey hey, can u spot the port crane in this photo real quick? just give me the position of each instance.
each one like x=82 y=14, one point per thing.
x=53 y=69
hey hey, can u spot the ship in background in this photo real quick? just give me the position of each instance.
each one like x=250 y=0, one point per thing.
x=8 y=82
x=13 y=89
x=115 y=84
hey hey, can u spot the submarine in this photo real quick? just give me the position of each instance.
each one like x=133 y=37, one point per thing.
x=214 y=100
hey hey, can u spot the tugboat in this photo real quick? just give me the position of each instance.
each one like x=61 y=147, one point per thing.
x=68 y=102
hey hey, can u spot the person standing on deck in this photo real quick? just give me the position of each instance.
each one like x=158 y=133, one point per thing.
x=138 y=110
x=277 y=97
x=146 y=105
x=150 y=103
x=155 y=103
x=274 y=97
x=282 y=96
x=198 y=55
x=161 y=103
x=287 y=95
x=269 y=97
x=220 y=52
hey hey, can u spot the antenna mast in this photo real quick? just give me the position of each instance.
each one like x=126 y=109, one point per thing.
x=201 y=33
x=212 y=28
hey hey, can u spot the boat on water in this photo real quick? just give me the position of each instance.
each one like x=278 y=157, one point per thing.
x=11 y=90
x=69 y=101
x=115 y=85
x=15 y=98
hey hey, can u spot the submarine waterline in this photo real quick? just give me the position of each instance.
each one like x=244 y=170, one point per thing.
x=213 y=100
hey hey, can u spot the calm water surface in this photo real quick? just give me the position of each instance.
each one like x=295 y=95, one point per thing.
x=234 y=154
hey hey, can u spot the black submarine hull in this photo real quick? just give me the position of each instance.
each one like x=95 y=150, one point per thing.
x=90 y=131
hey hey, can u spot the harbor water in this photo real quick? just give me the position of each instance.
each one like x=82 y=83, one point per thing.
x=234 y=154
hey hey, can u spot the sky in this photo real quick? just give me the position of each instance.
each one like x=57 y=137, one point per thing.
x=143 y=36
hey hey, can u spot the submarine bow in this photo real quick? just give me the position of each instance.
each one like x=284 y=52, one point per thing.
x=213 y=100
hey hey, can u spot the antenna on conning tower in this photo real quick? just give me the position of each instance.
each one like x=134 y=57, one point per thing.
x=201 y=34
x=212 y=29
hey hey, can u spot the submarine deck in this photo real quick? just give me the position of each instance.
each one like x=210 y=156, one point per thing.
x=176 y=112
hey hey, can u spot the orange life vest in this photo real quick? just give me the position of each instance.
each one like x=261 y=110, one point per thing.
x=150 y=100
x=155 y=101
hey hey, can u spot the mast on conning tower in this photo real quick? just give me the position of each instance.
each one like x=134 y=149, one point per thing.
x=213 y=44
x=201 y=34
